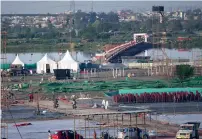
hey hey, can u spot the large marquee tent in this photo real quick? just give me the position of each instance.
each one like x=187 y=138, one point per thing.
x=17 y=61
x=46 y=64
x=68 y=63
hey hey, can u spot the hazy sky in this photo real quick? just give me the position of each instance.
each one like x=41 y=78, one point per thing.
x=98 y=6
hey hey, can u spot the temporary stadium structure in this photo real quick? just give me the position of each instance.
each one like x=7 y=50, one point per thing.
x=46 y=65
x=17 y=61
x=68 y=63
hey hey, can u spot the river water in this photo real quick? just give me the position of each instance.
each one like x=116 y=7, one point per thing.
x=30 y=58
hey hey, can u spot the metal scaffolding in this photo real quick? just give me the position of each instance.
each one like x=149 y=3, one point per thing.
x=161 y=62
x=110 y=121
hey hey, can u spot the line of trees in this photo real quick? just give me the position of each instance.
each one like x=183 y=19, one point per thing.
x=104 y=27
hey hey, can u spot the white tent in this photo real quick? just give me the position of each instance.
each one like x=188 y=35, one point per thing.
x=68 y=62
x=46 y=65
x=17 y=61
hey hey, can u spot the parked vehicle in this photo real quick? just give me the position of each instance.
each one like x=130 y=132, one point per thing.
x=65 y=134
x=106 y=135
x=188 y=130
x=132 y=133
x=16 y=72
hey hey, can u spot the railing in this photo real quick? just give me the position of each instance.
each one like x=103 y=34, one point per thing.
x=121 y=48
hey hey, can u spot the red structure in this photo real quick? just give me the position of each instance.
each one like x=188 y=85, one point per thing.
x=111 y=50
x=184 y=39
x=157 y=97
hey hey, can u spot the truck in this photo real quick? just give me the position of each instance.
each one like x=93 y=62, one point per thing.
x=188 y=130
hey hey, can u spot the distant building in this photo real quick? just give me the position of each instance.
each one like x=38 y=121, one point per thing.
x=178 y=14
x=135 y=59
x=44 y=25
x=58 y=26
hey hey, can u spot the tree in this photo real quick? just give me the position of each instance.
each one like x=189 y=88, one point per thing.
x=81 y=20
x=112 y=17
x=96 y=25
x=89 y=32
x=92 y=17
x=184 y=72
x=197 y=11
x=175 y=25
x=28 y=33
x=148 y=24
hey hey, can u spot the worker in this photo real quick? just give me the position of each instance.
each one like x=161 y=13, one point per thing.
x=103 y=104
x=136 y=133
x=74 y=104
x=49 y=133
x=94 y=135
x=31 y=97
x=63 y=135
x=56 y=103
x=115 y=98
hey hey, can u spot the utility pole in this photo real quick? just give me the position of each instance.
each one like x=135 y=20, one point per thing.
x=37 y=99
x=92 y=6
x=71 y=21
x=37 y=103
x=161 y=60
x=4 y=96
x=4 y=41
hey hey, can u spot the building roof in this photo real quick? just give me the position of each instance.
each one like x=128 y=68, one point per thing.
x=116 y=112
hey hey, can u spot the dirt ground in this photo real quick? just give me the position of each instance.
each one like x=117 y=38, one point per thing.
x=99 y=76
x=165 y=129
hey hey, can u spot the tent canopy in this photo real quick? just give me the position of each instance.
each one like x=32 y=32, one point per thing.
x=68 y=62
x=46 y=64
x=17 y=61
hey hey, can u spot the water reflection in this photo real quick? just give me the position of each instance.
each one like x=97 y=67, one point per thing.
x=30 y=58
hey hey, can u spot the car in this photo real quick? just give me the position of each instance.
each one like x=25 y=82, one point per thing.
x=188 y=130
x=65 y=134
x=132 y=132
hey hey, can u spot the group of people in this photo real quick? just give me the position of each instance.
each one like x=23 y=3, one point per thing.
x=158 y=97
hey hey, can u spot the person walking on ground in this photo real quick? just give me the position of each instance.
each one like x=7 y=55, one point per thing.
x=74 y=104
x=94 y=135
x=103 y=104
x=31 y=97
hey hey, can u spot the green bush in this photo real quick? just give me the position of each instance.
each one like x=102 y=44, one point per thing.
x=184 y=71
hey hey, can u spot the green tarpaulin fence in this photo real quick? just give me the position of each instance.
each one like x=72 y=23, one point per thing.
x=30 y=66
x=110 y=94
x=26 y=66
x=5 y=66
x=159 y=90
x=151 y=90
